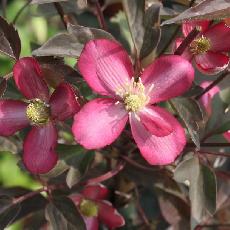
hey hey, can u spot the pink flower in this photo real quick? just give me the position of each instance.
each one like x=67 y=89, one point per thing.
x=40 y=110
x=94 y=208
x=209 y=48
x=206 y=101
x=106 y=67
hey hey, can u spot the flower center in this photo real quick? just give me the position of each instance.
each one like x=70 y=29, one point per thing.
x=200 y=45
x=88 y=208
x=38 y=112
x=133 y=95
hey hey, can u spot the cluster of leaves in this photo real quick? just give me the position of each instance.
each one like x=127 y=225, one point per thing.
x=182 y=195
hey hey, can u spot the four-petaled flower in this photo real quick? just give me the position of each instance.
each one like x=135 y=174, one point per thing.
x=107 y=69
x=208 y=49
x=94 y=207
x=39 y=110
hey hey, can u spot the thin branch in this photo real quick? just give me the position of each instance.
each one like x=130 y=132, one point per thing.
x=201 y=226
x=100 y=16
x=214 y=83
x=137 y=165
x=140 y=209
x=215 y=154
x=217 y=145
x=107 y=175
x=63 y=16
x=20 y=11
x=187 y=41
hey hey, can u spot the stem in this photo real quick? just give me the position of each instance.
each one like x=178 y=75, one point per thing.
x=28 y=195
x=20 y=11
x=107 y=175
x=215 y=154
x=63 y=16
x=187 y=41
x=214 y=83
x=209 y=145
x=140 y=209
x=137 y=165
x=100 y=16
x=200 y=226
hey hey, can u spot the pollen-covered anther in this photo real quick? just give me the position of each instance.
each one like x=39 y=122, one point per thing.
x=200 y=45
x=38 y=112
x=88 y=208
x=135 y=97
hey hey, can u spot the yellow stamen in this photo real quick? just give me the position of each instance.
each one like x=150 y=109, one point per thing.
x=200 y=45
x=134 y=95
x=38 y=112
x=88 y=208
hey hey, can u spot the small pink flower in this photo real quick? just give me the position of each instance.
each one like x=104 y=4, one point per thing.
x=106 y=67
x=206 y=101
x=209 y=48
x=40 y=110
x=94 y=207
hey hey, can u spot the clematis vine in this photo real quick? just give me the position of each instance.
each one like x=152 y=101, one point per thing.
x=94 y=207
x=106 y=67
x=206 y=101
x=39 y=110
x=209 y=49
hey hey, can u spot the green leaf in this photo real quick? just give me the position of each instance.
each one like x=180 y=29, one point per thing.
x=62 y=214
x=202 y=186
x=207 y=9
x=86 y=162
x=143 y=25
x=191 y=114
x=70 y=43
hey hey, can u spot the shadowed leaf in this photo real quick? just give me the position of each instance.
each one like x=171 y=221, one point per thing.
x=202 y=186
x=3 y=85
x=10 y=43
x=46 y=1
x=207 y=9
x=70 y=43
x=62 y=214
x=191 y=114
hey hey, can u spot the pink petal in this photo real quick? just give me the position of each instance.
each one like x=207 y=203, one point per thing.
x=63 y=102
x=211 y=63
x=12 y=116
x=39 y=155
x=28 y=78
x=91 y=223
x=159 y=150
x=99 y=123
x=186 y=54
x=109 y=215
x=170 y=76
x=105 y=66
x=227 y=135
x=206 y=99
x=155 y=123
x=187 y=27
x=219 y=36
x=95 y=192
